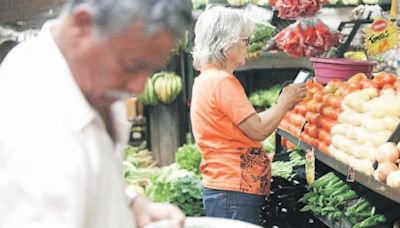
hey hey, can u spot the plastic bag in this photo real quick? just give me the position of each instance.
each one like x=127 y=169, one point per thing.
x=307 y=37
x=290 y=9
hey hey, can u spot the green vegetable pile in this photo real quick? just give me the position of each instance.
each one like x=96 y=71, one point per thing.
x=178 y=183
x=285 y=169
x=329 y=197
x=199 y=4
x=265 y=98
x=269 y=144
x=188 y=157
x=179 y=187
x=139 y=156
x=362 y=214
x=260 y=38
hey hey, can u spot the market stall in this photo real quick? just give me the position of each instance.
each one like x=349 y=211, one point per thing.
x=337 y=152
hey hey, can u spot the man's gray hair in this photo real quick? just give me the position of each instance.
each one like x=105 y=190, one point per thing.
x=113 y=16
x=216 y=30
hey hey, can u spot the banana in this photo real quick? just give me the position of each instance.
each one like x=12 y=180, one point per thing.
x=179 y=85
x=169 y=81
x=174 y=86
x=151 y=97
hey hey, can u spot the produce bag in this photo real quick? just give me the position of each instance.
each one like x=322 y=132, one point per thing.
x=290 y=9
x=308 y=37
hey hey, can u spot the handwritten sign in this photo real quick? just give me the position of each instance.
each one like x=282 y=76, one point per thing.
x=381 y=36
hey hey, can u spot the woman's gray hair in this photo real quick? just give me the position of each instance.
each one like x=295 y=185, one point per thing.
x=216 y=30
x=113 y=16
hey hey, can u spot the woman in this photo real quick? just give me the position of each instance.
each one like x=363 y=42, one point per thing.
x=236 y=172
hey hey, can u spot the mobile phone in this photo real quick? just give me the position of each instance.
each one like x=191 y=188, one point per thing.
x=302 y=77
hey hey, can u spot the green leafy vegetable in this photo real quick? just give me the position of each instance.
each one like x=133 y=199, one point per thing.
x=188 y=157
x=179 y=187
x=265 y=98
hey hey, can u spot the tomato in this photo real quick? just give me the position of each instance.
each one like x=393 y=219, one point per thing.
x=327 y=123
x=298 y=120
x=314 y=142
x=369 y=84
x=316 y=107
x=323 y=147
x=348 y=91
x=388 y=87
x=324 y=136
x=327 y=111
x=312 y=130
x=357 y=77
x=290 y=146
x=313 y=118
x=384 y=78
x=305 y=137
x=342 y=88
x=289 y=117
x=284 y=141
x=332 y=86
x=294 y=130
x=335 y=101
x=396 y=85
x=301 y=109
x=326 y=98
x=283 y=124
x=356 y=85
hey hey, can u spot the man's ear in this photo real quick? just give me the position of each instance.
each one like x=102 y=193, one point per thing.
x=82 y=21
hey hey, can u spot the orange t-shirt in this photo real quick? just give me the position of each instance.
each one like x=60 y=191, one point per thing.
x=230 y=159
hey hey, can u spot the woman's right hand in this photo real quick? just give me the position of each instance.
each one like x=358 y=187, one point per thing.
x=291 y=95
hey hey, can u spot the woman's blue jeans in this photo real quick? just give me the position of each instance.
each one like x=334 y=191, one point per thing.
x=233 y=205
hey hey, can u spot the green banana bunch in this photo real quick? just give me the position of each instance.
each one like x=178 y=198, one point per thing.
x=148 y=97
x=167 y=86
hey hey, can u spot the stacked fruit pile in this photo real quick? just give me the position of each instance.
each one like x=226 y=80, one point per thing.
x=351 y=121
x=162 y=87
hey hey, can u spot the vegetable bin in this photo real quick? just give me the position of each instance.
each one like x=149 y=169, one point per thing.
x=326 y=69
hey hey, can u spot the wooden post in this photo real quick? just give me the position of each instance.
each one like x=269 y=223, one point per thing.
x=165 y=132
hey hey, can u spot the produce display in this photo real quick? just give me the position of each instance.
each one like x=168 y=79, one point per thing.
x=265 y=98
x=333 y=199
x=307 y=37
x=291 y=9
x=188 y=157
x=259 y=39
x=352 y=121
x=162 y=87
x=178 y=183
x=284 y=169
x=269 y=144
x=179 y=187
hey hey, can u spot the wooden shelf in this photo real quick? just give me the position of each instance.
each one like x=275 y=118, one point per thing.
x=361 y=178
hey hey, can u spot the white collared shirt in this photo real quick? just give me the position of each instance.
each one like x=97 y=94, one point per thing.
x=58 y=166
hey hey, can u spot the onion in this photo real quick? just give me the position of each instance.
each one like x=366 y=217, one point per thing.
x=391 y=122
x=384 y=169
x=362 y=165
x=393 y=179
x=379 y=138
x=387 y=152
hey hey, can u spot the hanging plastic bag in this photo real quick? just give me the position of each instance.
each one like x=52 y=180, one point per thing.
x=308 y=37
x=291 y=9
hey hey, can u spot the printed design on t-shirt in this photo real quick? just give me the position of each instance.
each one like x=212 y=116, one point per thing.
x=255 y=171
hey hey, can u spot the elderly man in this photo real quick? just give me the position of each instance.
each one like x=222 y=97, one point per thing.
x=62 y=122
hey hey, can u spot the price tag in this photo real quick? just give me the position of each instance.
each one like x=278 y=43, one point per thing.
x=351 y=174
x=395 y=137
x=310 y=166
